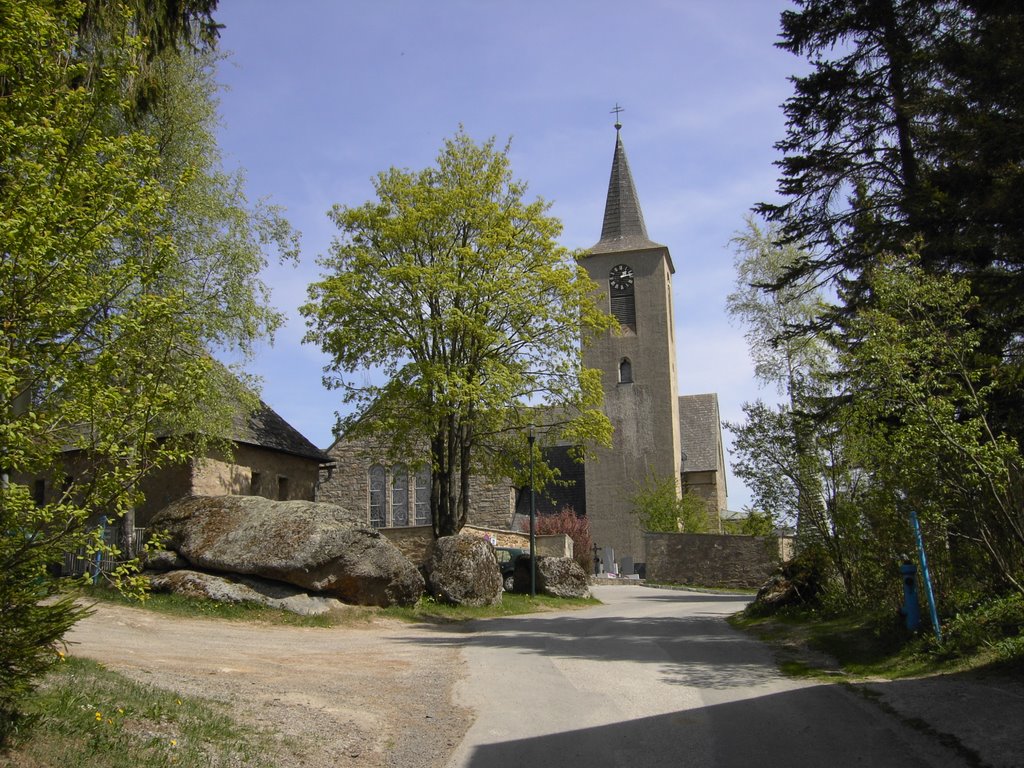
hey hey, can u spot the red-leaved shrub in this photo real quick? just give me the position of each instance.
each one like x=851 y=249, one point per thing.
x=576 y=527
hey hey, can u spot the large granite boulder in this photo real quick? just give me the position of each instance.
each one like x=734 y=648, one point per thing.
x=311 y=545
x=463 y=570
x=556 y=576
x=244 y=589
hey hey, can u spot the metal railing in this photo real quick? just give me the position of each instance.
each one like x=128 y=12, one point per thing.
x=81 y=562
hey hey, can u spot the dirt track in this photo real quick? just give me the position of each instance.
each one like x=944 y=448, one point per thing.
x=366 y=696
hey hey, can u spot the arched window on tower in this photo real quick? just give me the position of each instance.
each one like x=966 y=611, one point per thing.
x=625 y=371
x=623 y=303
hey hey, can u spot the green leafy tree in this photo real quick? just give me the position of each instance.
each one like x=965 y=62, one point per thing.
x=125 y=259
x=661 y=509
x=922 y=391
x=788 y=354
x=452 y=290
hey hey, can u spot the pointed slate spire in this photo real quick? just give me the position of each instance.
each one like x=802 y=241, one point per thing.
x=624 y=228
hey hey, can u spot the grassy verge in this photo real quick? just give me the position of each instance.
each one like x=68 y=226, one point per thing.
x=426 y=610
x=864 y=645
x=83 y=714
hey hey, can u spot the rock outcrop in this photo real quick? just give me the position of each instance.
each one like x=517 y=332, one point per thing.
x=310 y=545
x=462 y=570
x=244 y=589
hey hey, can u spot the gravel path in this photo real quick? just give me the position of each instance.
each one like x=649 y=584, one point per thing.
x=376 y=696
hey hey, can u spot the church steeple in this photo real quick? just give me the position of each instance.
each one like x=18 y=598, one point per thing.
x=624 y=228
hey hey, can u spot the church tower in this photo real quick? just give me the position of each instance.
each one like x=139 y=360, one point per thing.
x=637 y=364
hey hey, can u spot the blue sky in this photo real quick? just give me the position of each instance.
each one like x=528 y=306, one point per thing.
x=323 y=94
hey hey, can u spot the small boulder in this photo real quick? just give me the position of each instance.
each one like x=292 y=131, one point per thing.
x=562 y=577
x=463 y=570
x=164 y=560
x=308 y=544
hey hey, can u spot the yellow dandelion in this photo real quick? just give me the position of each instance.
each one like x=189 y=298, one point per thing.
x=174 y=742
x=99 y=717
x=120 y=711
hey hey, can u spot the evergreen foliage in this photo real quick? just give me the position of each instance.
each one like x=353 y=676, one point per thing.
x=901 y=182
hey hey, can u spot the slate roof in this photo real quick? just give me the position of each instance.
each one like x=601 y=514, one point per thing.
x=265 y=428
x=700 y=432
x=624 y=228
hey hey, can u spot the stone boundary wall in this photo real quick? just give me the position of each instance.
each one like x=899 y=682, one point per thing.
x=549 y=545
x=412 y=541
x=713 y=560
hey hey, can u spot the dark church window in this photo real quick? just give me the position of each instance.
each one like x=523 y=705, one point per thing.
x=623 y=303
x=378 y=496
x=399 y=496
x=423 y=496
x=625 y=371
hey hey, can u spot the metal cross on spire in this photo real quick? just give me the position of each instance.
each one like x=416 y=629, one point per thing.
x=617 y=111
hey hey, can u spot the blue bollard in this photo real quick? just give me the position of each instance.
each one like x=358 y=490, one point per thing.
x=911 y=606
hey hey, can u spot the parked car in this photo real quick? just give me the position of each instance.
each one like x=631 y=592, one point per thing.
x=507 y=557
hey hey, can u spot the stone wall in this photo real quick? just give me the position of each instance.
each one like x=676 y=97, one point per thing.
x=550 y=545
x=491 y=504
x=413 y=541
x=712 y=560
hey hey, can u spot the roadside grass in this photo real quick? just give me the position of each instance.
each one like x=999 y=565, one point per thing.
x=987 y=638
x=83 y=714
x=697 y=588
x=426 y=610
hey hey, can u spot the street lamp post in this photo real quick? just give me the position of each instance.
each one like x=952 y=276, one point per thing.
x=533 y=518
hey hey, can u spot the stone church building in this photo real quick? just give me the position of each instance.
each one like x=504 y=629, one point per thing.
x=658 y=433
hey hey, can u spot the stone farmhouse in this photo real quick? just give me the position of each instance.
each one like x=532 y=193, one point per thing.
x=657 y=432
x=269 y=458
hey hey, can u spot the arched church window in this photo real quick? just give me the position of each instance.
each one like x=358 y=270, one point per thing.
x=378 y=496
x=423 y=496
x=625 y=371
x=399 y=495
x=623 y=303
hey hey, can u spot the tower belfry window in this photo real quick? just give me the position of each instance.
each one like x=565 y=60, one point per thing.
x=623 y=302
x=625 y=371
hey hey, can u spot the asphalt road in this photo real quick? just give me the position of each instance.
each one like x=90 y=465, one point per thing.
x=658 y=678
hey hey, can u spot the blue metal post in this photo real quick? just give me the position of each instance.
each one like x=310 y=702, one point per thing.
x=927 y=576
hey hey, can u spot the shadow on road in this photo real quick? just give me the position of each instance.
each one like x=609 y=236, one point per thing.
x=805 y=728
x=699 y=649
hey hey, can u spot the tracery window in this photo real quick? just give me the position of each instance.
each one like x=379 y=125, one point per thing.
x=423 y=496
x=399 y=496
x=378 y=496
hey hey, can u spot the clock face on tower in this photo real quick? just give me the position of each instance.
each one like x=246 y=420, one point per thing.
x=621 y=278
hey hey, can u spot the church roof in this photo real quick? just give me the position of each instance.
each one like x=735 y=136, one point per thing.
x=700 y=432
x=624 y=228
